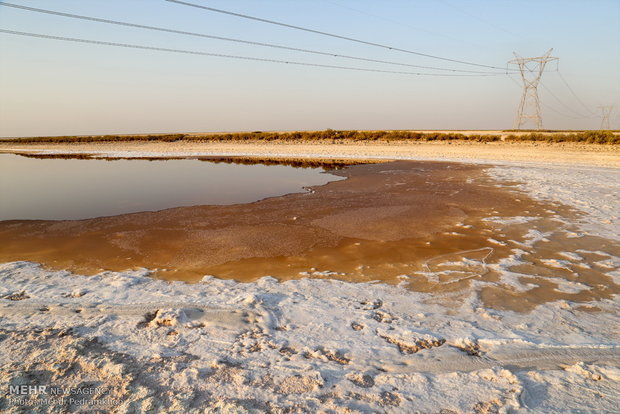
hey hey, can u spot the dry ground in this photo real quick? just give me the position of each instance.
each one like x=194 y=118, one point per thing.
x=572 y=153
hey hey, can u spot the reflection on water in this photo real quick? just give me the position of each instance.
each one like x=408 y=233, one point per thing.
x=326 y=164
x=65 y=189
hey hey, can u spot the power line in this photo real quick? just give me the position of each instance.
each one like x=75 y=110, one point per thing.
x=516 y=82
x=249 y=42
x=560 y=113
x=579 y=115
x=574 y=94
x=290 y=26
x=221 y=55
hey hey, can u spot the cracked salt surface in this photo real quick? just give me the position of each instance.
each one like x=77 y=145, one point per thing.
x=311 y=343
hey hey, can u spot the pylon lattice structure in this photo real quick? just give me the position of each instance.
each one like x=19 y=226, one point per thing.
x=606 y=114
x=531 y=71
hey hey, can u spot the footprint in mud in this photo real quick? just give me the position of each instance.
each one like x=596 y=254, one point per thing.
x=76 y=293
x=357 y=326
x=367 y=305
x=384 y=399
x=159 y=318
x=197 y=318
x=412 y=345
x=225 y=372
x=325 y=354
x=471 y=348
x=288 y=351
x=16 y=296
x=382 y=316
x=299 y=384
x=253 y=340
x=362 y=380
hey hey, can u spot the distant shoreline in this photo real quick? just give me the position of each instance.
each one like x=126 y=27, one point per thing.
x=602 y=155
x=337 y=136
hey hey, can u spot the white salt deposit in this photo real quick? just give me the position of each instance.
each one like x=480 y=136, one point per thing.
x=321 y=343
x=558 y=264
x=499 y=243
x=571 y=256
x=594 y=191
x=566 y=286
x=509 y=220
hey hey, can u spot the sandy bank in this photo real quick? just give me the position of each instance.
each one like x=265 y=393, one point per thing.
x=570 y=153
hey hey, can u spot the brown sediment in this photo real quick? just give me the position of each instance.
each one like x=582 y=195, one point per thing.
x=393 y=222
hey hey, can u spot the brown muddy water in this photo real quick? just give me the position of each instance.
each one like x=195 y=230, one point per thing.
x=436 y=227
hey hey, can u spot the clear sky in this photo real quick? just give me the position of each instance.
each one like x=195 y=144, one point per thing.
x=50 y=87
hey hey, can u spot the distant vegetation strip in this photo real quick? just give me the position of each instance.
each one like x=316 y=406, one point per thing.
x=593 y=137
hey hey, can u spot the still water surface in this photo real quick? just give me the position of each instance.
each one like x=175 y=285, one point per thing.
x=70 y=189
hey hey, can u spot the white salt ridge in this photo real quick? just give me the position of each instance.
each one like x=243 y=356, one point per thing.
x=610 y=262
x=500 y=243
x=509 y=277
x=509 y=220
x=571 y=256
x=323 y=273
x=556 y=263
x=567 y=286
x=531 y=238
x=463 y=262
x=615 y=276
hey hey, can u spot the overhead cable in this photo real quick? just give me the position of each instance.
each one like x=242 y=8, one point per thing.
x=228 y=39
x=221 y=55
x=549 y=106
x=351 y=39
x=574 y=94
x=563 y=104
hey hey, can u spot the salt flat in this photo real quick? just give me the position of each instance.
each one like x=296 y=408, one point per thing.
x=570 y=153
x=311 y=345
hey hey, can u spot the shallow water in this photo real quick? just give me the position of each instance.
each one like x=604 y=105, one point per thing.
x=73 y=189
x=444 y=228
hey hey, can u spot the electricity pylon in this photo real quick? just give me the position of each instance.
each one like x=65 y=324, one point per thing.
x=606 y=113
x=531 y=71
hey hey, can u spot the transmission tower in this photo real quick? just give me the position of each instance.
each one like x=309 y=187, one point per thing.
x=531 y=71
x=606 y=114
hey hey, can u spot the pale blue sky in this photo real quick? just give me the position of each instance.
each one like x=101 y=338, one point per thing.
x=49 y=87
